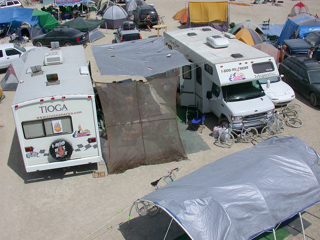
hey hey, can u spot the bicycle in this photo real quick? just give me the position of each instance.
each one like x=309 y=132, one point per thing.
x=145 y=208
x=291 y=114
x=274 y=126
x=160 y=21
x=227 y=138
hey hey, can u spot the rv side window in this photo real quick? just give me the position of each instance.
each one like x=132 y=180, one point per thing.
x=198 y=75
x=186 y=72
x=208 y=68
x=215 y=90
x=47 y=127
x=262 y=67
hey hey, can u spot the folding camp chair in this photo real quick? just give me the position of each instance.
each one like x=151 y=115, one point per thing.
x=197 y=123
x=265 y=24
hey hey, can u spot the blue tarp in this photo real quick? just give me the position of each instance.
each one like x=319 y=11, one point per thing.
x=299 y=26
x=69 y=2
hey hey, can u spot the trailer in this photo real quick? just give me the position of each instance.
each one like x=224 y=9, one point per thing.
x=55 y=111
x=223 y=76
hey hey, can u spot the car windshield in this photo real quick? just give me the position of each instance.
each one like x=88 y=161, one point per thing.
x=312 y=38
x=314 y=76
x=242 y=91
x=272 y=80
x=22 y=49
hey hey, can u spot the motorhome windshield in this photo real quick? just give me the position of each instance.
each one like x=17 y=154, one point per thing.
x=272 y=80
x=242 y=91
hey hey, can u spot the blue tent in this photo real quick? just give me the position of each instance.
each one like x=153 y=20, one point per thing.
x=299 y=26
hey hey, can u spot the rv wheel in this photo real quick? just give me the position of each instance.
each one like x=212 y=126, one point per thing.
x=38 y=44
x=60 y=150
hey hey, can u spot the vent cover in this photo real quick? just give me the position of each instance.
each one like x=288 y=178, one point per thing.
x=53 y=57
x=236 y=55
x=191 y=34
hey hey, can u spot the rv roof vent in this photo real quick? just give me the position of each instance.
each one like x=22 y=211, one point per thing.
x=217 y=41
x=84 y=70
x=52 y=79
x=191 y=34
x=54 y=45
x=35 y=70
x=206 y=29
x=229 y=35
x=236 y=55
x=53 y=57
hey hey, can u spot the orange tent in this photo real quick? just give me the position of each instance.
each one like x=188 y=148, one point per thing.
x=181 y=15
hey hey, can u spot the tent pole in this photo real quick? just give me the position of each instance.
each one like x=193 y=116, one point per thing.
x=274 y=234
x=302 y=227
x=168 y=229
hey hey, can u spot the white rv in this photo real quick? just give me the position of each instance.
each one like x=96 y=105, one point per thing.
x=223 y=76
x=54 y=110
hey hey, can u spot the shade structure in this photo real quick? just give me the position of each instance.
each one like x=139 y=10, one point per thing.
x=249 y=36
x=181 y=15
x=83 y=25
x=246 y=193
x=269 y=49
x=114 y=17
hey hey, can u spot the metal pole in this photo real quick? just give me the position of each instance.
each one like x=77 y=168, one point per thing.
x=304 y=235
x=168 y=229
x=274 y=234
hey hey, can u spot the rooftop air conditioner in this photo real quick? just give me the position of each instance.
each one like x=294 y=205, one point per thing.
x=217 y=41
x=53 y=57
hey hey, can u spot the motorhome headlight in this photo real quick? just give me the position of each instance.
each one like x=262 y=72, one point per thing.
x=236 y=118
x=269 y=113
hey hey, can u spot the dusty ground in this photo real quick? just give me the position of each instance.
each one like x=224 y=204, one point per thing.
x=62 y=205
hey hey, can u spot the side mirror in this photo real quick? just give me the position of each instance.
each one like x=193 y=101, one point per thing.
x=209 y=95
x=268 y=83
x=114 y=32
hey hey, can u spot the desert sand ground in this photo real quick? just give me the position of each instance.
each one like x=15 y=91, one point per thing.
x=62 y=205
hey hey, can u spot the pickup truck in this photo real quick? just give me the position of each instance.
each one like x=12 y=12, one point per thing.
x=302 y=46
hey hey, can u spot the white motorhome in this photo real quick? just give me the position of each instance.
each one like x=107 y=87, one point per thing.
x=223 y=76
x=54 y=110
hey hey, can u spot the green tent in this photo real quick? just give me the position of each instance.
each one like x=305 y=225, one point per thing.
x=84 y=25
x=46 y=20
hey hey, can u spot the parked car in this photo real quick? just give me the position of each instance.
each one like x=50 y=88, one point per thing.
x=303 y=75
x=140 y=13
x=127 y=32
x=10 y=4
x=302 y=46
x=278 y=91
x=10 y=52
x=66 y=36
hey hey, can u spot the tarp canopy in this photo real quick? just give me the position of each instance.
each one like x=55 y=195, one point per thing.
x=141 y=123
x=245 y=193
x=206 y=13
x=84 y=25
x=114 y=16
x=17 y=16
x=269 y=49
x=144 y=57
x=299 y=8
x=299 y=26
x=249 y=36
x=69 y=2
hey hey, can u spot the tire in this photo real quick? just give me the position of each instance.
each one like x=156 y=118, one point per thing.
x=144 y=208
x=224 y=122
x=60 y=150
x=67 y=44
x=38 y=44
x=313 y=99
x=294 y=106
x=249 y=134
x=226 y=139
x=294 y=122
x=266 y=132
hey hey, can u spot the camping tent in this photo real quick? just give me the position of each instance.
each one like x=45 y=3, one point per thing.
x=249 y=36
x=87 y=25
x=298 y=8
x=133 y=4
x=299 y=26
x=17 y=16
x=247 y=24
x=245 y=193
x=181 y=15
x=269 y=49
x=114 y=16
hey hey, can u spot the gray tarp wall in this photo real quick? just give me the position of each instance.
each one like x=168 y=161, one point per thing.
x=245 y=193
x=141 y=123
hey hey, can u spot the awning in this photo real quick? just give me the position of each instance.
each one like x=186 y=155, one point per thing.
x=144 y=57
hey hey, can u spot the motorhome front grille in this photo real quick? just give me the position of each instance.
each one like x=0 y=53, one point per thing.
x=255 y=117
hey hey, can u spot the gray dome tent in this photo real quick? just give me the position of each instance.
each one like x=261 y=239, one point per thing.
x=114 y=17
x=133 y=4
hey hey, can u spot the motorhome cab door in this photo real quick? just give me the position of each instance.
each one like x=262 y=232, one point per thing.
x=187 y=85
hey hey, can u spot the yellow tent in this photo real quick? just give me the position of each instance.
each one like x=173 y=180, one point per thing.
x=249 y=36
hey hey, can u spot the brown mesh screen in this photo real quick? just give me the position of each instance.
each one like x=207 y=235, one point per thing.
x=141 y=123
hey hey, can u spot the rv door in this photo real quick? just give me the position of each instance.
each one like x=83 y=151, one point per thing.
x=187 y=85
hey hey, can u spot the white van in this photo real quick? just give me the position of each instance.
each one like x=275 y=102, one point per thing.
x=223 y=76
x=54 y=110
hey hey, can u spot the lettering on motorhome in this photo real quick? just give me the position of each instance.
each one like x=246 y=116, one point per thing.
x=59 y=115
x=53 y=108
x=264 y=75
x=234 y=69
